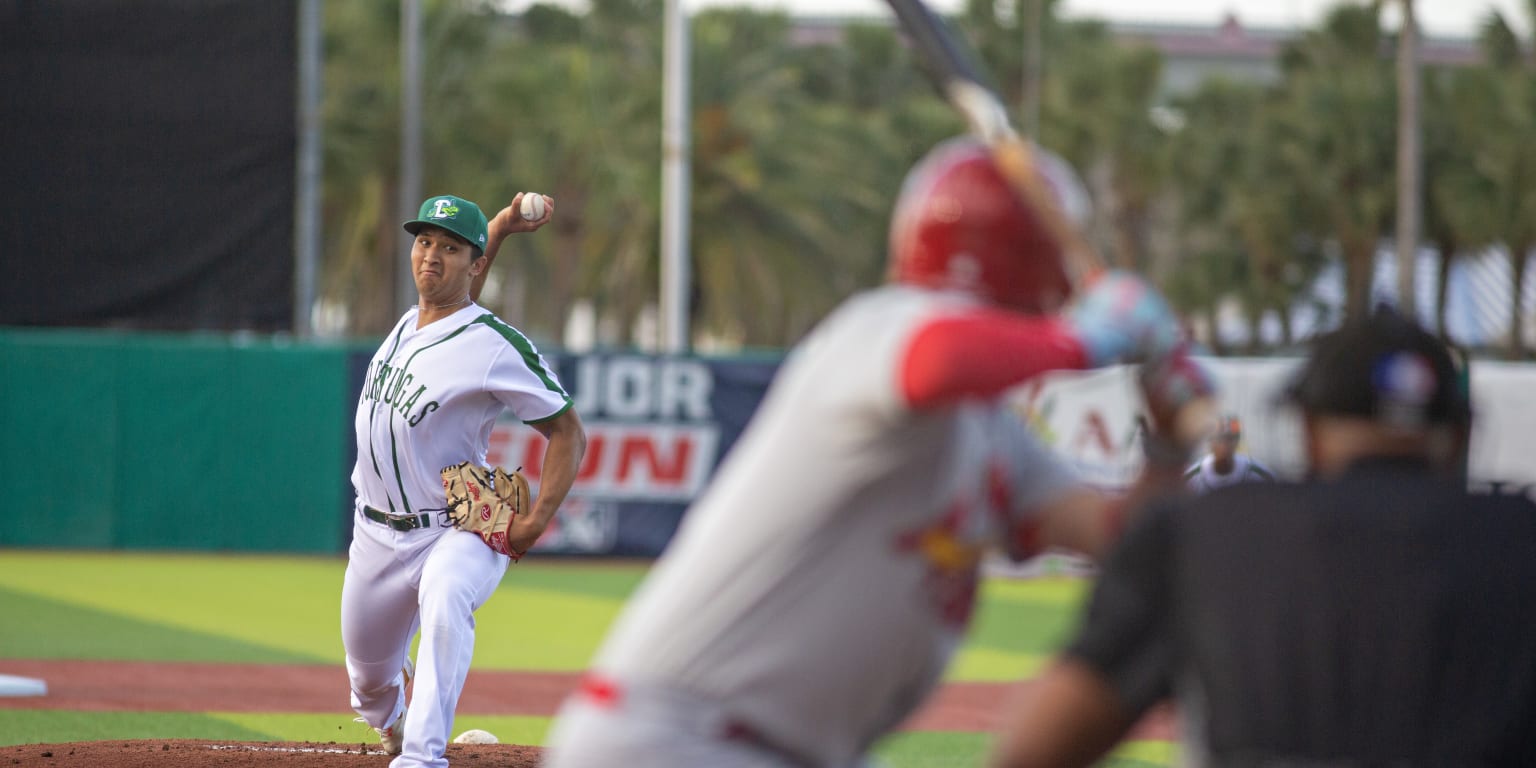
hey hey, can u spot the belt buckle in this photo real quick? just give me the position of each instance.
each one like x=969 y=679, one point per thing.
x=395 y=522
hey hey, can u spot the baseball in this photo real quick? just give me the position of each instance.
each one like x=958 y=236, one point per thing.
x=475 y=735
x=533 y=206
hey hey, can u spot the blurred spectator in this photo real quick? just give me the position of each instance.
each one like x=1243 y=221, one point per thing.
x=1224 y=465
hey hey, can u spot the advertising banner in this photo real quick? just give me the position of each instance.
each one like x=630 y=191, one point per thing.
x=656 y=429
x=1090 y=418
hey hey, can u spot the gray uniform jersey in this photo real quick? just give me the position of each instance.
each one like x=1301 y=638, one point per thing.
x=818 y=588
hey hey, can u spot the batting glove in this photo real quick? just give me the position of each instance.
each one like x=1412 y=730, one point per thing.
x=1180 y=395
x=1120 y=318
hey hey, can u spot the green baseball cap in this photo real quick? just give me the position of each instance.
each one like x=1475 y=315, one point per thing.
x=454 y=214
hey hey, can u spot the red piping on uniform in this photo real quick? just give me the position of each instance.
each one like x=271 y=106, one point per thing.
x=600 y=691
x=981 y=353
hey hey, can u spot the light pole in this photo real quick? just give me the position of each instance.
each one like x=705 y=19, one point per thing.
x=675 y=280
x=409 y=190
x=1409 y=163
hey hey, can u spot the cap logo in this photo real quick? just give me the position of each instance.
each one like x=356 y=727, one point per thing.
x=1404 y=383
x=444 y=208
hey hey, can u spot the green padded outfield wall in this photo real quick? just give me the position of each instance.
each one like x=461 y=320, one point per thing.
x=162 y=441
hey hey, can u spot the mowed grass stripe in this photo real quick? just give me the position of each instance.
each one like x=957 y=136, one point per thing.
x=288 y=604
x=42 y=628
x=50 y=726
x=547 y=615
x=278 y=609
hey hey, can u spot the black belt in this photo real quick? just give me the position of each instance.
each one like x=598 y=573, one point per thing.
x=397 y=522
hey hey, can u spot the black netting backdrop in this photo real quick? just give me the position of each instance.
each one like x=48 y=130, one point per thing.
x=147 y=163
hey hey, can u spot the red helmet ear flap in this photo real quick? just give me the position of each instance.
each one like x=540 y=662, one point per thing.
x=957 y=224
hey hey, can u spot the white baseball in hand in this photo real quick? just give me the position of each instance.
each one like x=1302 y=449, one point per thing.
x=532 y=206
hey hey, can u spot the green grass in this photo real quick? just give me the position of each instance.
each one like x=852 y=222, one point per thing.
x=30 y=726
x=967 y=750
x=284 y=610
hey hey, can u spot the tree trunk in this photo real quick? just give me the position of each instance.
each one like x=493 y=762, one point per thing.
x=376 y=310
x=565 y=258
x=1131 y=237
x=1217 y=348
x=1447 y=250
x=1359 y=268
x=1518 y=255
x=1255 y=316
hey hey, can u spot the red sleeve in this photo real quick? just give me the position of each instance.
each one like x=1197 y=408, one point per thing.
x=981 y=353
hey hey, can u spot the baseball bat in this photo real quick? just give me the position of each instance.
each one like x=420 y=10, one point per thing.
x=952 y=68
x=951 y=65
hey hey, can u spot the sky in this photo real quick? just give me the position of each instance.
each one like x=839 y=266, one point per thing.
x=1438 y=18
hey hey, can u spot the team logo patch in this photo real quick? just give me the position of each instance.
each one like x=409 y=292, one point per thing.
x=444 y=209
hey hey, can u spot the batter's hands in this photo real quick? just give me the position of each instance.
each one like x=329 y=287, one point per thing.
x=1120 y=319
x=1180 y=396
x=510 y=221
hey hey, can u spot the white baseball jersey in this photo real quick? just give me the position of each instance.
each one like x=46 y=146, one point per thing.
x=817 y=589
x=430 y=399
x=432 y=396
x=1202 y=476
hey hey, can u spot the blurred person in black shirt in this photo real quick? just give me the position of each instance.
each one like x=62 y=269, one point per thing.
x=1375 y=614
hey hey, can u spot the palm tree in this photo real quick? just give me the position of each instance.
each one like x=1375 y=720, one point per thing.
x=1337 y=136
x=1504 y=158
x=1458 y=201
x=1239 y=201
x=588 y=134
x=1097 y=111
x=791 y=193
x=361 y=113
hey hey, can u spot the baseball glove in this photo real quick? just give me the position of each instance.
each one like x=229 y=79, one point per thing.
x=485 y=501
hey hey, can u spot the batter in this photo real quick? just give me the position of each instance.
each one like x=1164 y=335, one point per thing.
x=817 y=589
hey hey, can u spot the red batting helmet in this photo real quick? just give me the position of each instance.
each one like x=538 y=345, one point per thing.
x=958 y=224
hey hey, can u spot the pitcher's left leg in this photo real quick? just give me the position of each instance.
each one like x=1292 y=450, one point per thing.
x=378 y=614
x=460 y=574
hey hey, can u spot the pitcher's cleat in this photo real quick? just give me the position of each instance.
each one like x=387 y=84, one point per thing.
x=392 y=738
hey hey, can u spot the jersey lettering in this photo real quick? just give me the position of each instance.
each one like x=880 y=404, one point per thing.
x=405 y=407
x=376 y=383
x=389 y=385
x=396 y=386
x=425 y=409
